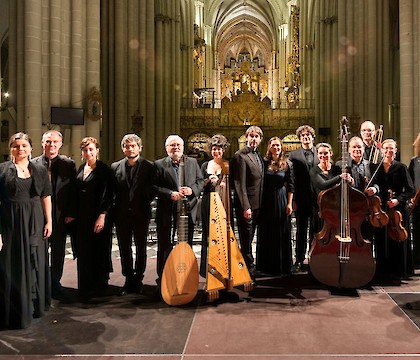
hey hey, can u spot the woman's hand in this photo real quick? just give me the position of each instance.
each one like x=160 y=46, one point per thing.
x=289 y=209
x=47 y=230
x=99 y=224
x=213 y=179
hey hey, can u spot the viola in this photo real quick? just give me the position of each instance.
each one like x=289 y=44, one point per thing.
x=396 y=230
x=339 y=255
x=377 y=217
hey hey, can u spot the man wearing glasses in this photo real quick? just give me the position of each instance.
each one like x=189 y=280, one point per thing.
x=169 y=191
x=368 y=132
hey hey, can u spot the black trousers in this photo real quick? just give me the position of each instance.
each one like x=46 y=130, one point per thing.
x=246 y=230
x=134 y=228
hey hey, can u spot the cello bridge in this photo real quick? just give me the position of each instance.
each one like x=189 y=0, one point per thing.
x=343 y=238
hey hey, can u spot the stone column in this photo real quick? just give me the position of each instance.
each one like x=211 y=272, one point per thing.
x=409 y=78
x=32 y=112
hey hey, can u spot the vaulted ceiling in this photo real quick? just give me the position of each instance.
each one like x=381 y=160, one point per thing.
x=246 y=26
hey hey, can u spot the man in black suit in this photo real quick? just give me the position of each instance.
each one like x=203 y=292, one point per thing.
x=133 y=187
x=169 y=191
x=303 y=159
x=62 y=173
x=248 y=172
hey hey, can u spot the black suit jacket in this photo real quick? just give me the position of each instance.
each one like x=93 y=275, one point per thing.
x=303 y=188
x=136 y=197
x=247 y=179
x=63 y=181
x=167 y=182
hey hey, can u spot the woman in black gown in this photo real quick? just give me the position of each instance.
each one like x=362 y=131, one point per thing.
x=274 y=245
x=93 y=234
x=394 y=258
x=213 y=181
x=26 y=223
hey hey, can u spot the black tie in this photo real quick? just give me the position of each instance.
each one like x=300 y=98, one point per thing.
x=257 y=159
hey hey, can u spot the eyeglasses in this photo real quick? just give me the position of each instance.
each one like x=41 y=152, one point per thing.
x=174 y=145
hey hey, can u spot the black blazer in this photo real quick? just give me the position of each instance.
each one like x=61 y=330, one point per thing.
x=247 y=179
x=8 y=176
x=136 y=197
x=302 y=181
x=64 y=189
x=398 y=180
x=167 y=182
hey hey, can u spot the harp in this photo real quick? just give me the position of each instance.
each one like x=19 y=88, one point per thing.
x=226 y=267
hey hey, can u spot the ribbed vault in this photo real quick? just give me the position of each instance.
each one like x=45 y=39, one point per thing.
x=246 y=26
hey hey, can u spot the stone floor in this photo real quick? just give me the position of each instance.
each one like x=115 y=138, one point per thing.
x=282 y=318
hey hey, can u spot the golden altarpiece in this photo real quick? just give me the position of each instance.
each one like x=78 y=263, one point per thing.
x=244 y=102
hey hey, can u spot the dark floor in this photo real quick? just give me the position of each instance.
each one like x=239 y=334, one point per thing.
x=282 y=318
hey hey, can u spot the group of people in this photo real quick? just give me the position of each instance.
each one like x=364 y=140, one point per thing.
x=42 y=200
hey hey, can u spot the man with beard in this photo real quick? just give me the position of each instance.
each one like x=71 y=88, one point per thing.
x=133 y=181
x=248 y=172
x=169 y=191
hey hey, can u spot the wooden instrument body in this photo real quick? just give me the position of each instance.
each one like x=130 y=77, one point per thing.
x=324 y=260
x=225 y=265
x=377 y=217
x=339 y=256
x=180 y=277
x=396 y=231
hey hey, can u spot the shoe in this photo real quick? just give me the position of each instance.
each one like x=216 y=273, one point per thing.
x=297 y=266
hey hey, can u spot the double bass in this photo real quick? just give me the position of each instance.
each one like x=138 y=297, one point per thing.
x=339 y=255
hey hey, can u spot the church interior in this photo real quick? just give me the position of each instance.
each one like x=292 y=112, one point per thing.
x=105 y=68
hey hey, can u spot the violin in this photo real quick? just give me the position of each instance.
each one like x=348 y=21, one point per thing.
x=377 y=217
x=396 y=231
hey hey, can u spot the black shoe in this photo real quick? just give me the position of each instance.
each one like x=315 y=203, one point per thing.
x=297 y=266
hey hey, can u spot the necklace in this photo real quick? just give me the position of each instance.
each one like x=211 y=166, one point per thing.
x=23 y=170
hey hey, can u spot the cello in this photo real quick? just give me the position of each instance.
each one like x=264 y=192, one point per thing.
x=339 y=255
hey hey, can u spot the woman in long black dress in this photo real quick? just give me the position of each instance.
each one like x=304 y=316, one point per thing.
x=93 y=234
x=213 y=181
x=26 y=223
x=274 y=245
x=392 y=257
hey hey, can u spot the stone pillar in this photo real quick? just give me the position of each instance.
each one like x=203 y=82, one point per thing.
x=409 y=115
x=32 y=112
